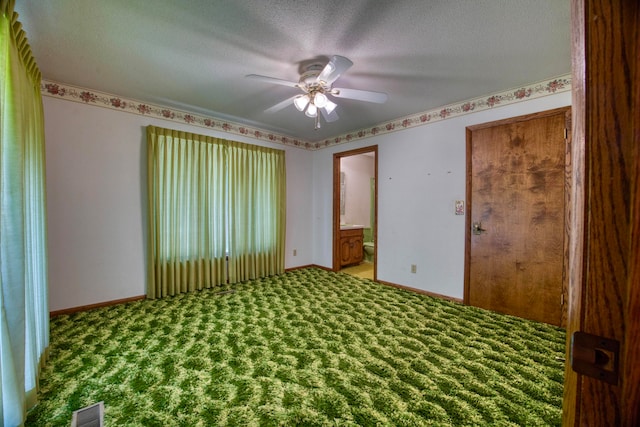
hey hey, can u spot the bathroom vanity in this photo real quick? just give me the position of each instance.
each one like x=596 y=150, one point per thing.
x=351 y=240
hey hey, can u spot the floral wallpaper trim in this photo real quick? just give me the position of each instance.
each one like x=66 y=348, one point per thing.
x=511 y=96
x=114 y=102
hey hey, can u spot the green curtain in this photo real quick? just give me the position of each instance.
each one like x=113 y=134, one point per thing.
x=24 y=317
x=216 y=211
x=256 y=211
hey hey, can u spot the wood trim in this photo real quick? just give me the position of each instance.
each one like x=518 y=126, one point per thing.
x=421 y=291
x=336 y=205
x=631 y=373
x=568 y=188
x=88 y=307
x=467 y=220
x=302 y=267
x=72 y=310
x=335 y=263
x=393 y=285
x=576 y=211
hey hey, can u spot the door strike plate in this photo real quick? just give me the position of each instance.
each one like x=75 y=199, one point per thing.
x=595 y=356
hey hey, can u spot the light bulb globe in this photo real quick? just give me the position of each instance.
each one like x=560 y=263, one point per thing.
x=320 y=100
x=312 y=111
x=301 y=101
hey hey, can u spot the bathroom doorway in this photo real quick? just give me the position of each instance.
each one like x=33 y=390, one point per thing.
x=355 y=211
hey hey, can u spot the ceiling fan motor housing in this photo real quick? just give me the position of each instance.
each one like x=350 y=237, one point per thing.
x=309 y=77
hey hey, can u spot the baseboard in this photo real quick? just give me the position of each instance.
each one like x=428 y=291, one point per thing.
x=141 y=297
x=421 y=291
x=93 y=306
x=137 y=298
x=308 y=266
x=394 y=285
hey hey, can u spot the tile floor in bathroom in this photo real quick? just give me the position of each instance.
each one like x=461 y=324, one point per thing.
x=364 y=270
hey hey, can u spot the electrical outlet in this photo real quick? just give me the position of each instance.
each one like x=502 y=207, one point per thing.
x=295 y=252
x=413 y=268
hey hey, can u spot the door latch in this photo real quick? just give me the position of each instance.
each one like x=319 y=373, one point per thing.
x=595 y=356
x=476 y=228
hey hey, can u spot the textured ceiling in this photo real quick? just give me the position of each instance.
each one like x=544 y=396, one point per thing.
x=194 y=54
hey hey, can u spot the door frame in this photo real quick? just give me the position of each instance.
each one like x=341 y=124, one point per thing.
x=337 y=157
x=567 y=190
x=604 y=292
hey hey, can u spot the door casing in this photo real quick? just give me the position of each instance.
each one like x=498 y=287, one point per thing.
x=336 y=205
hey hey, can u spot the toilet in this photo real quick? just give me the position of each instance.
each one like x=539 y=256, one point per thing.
x=368 y=251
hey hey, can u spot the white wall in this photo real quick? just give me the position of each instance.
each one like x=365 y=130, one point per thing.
x=421 y=172
x=358 y=172
x=96 y=202
x=96 y=186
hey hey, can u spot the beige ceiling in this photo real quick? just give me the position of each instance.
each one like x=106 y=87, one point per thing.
x=193 y=55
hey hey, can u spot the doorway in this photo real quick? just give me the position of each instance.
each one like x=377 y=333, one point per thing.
x=355 y=210
x=516 y=238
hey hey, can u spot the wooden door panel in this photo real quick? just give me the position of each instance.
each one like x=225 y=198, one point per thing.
x=605 y=222
x=517 y=183
x=500 y=273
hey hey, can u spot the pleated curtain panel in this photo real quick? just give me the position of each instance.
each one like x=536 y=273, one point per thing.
x=24 y=317
x=216 y=211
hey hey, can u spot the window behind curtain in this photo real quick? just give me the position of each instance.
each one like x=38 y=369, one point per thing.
x=216 y=211
x=24 y=310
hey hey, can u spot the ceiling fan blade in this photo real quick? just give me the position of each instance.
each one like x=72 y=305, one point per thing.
x=360 y=95
x=280 y=105
x=329 y=116
x=271 y=80
x=336 y=66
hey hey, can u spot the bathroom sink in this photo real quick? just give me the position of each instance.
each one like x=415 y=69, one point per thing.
x=350 y=226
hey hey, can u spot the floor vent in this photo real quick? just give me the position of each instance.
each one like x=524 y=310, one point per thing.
x=90 y=416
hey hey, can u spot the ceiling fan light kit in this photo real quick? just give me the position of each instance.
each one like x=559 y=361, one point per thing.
x=316 y=83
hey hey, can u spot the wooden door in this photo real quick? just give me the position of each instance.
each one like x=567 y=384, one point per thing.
x=604 y=298
x=516 y=199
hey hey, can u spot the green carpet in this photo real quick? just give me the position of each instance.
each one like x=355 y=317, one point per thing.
x=306 y=348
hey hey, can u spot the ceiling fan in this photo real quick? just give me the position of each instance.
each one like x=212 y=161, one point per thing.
x=316 y=83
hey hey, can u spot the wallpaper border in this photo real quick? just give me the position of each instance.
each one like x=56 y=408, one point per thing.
x=101 y=99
